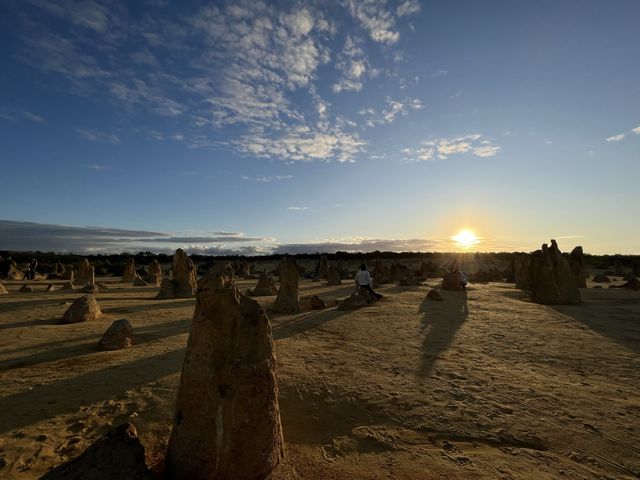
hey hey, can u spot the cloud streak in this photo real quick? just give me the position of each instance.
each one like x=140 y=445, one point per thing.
x=97 y=136
x=443 y=148
x=616 y=138
x=63 y=238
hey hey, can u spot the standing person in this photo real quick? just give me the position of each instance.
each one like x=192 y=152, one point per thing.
x=363 y=280
x=32 y=268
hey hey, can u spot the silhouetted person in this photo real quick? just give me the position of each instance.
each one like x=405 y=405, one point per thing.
x=32 y=269
x=363 y=280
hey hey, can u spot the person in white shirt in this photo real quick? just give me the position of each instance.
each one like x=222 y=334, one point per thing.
x=363 y=280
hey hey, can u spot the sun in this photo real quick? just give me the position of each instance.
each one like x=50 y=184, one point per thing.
x=465 y=239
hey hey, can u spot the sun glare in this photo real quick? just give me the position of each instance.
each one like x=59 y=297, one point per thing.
x=465 y=239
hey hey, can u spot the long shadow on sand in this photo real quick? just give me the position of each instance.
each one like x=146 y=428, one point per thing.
x=29 y=323
x=69 y=395
x=309 y=321
x=441 y=321
x=50 y=302
x=613 y=314
x=142 y=335
x=157 y=305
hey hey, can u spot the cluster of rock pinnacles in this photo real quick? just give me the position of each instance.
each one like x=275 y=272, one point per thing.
x=227 y=418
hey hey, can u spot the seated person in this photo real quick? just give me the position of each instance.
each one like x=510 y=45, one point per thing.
x=363 y=280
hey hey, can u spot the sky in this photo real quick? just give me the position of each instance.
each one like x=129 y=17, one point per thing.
x=290 y=127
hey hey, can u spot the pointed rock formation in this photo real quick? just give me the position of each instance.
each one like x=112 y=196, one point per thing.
x=9 y=269
x=184 y=282
x=58 y=271
x=119 y=335
x=451 y=281
x=129 y=274
x=317 y=303
x=427 y=270
x=409 y=281
x=82 y=310
x=601 y=278
x=364 y=293
x=265 y=287
x=51 y=288
x=70 y=275
x=85 y=272
x=287 y=300
x=381 y=274
x=522 y=271
x=352 y=302
x=139 y=282
x=90 y=288
x=116 y=455
x=227 y=421
x=552 y=281
x=633 y=284
x=322 y=269
x=578 y=267
x=154 y=273
x=619 y=268
x=434 y=295
x=333 y=275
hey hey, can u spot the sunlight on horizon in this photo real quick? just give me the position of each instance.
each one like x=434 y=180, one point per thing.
x=466 y=239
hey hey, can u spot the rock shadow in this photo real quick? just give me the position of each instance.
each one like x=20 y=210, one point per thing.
x=71 y=394
x=142 y=335
x=440 y=322
x=309 y=321
x=614 y=314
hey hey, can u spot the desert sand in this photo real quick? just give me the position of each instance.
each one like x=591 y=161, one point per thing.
x=483 y=385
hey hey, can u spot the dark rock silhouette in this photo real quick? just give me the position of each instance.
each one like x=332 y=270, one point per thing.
x=552 y=280
x=116 y=455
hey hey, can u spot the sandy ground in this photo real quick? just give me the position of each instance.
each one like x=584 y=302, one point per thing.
x=482 y=385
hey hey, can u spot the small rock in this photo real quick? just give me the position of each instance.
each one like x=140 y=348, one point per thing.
x=434 y=295
x=83 y=309
x=119 y=335
x=317 y=303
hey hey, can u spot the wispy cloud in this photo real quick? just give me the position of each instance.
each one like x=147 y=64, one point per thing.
x=97 y=136
x=297 y=209
x=392 y=109
x=621 y=136
x=19 y=114
x=242 y=75
x=409 y=7
x=352 y=65
x=376 y=17
x=616 y=138
x=442 y=148
x=32 y=117
x=268 y=178
x=97 y=167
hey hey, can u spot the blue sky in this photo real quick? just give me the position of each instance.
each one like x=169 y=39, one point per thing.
x=294 y=126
